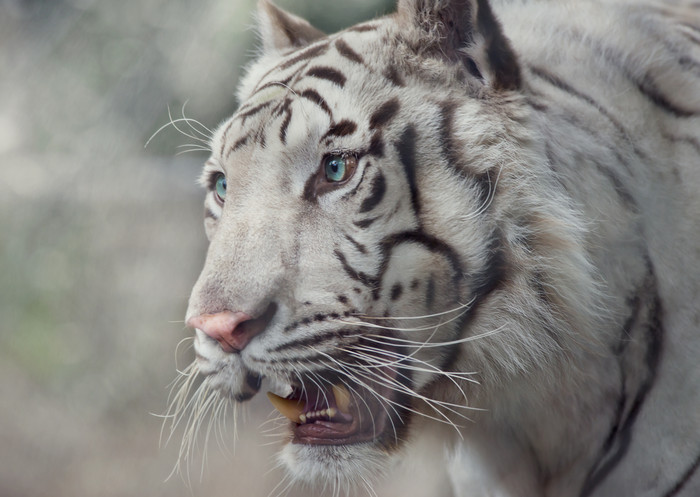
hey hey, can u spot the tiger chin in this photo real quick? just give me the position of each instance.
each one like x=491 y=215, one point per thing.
x=471 y=223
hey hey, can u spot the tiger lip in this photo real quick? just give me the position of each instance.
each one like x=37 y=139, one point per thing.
x=329 y=417
x=335 y=416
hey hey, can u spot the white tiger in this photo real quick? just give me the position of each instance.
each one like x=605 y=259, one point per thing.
x=480 y=225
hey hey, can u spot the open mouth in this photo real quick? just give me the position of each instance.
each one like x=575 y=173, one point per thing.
x=338 y=415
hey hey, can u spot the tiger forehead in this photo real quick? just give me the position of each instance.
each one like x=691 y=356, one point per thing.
x=332 y=58
x=318 y=76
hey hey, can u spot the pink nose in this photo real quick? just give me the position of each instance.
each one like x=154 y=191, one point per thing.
x=230 y=329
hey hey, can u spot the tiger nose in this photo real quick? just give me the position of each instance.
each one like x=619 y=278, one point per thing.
x=233 y=330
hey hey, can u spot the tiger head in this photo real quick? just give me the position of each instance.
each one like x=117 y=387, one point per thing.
x=370 y=224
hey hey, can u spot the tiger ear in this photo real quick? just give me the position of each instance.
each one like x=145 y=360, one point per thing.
x=466 y=32
x=281 y=31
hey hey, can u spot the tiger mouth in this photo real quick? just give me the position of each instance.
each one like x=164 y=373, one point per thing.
x=338 y=415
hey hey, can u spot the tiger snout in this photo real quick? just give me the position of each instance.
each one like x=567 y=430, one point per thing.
x=233 y=330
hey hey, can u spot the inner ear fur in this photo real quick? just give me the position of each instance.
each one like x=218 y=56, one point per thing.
x=281 y=31
x=465 y=32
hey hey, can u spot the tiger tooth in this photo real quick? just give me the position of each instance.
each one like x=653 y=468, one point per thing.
x=342 y=398
x=331 y=412
x=290 y=409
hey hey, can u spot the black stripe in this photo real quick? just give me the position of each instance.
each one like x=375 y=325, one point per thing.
x=678 y=487
x=491 y=276
x=646 y=85
x=384 y=114
x=281 y=83
x=485 y=282
x=317 y=99
x=654 y=343
x=367 y=281
x=327 y=73
x=450 y=148
x=393 y=75
x=485 y=181
x=376 y=145
x=689 y=140
x=627 y=329
x=618 y=185
x=365 y=223
x=502 y=61
x=376 y=195
x=285 y=125
x=427 y=241
x=352 y=192
x=430 y=292
x=305 y=54
x=558 y=82
x=396 y=291
x=362 y=28
x=245 y=115
x=253 y=381
x=223 y=142
x=316 y=339
x=347 y=52
x=648 y=88
x=343 y=128
x=360 y=247
x=239 y=143
x=406 y=147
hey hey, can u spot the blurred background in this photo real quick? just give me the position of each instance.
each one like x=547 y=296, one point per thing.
x=101 y=239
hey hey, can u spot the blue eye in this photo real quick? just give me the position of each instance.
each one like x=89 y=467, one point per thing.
x=336 y=168
x=220 y=187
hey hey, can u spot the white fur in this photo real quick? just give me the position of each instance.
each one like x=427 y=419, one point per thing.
x=595 y=199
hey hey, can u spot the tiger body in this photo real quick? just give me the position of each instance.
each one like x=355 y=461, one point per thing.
x=518 y=205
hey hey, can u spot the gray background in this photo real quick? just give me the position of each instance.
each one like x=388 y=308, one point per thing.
x=101 y=239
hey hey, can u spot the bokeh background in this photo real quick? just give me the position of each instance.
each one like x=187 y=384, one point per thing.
x=101 y=239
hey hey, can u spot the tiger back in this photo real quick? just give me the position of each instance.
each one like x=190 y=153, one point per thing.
x=467 y=223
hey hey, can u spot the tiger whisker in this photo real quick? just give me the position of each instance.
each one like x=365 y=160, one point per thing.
x=399 y=359
x=368 y=357
x=414 y=343
x=489 y=199
x=373 y=376
x=174 y=123
x=424 y=316
x=359 y=370
x=285 y=489
x=187 y=121
x=353 y=390
x=372 y=358
x=393 y=328
x=354 y=378
x=209 y=133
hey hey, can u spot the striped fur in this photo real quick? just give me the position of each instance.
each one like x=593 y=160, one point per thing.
x=515 y=255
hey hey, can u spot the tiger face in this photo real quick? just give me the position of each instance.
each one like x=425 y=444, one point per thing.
x=355 y=251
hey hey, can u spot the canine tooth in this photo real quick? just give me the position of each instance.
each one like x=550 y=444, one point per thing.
x=331 y=412
x=302 y=418
x=342 y=398
x=290 y=409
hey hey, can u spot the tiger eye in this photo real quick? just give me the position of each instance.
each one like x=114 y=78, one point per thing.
x=220 y=187
x=335 y=168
